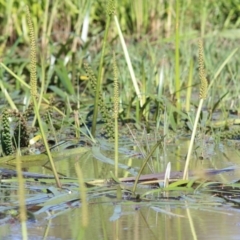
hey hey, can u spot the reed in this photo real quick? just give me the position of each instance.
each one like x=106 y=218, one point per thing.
x=6 y=138
x=106 y=116
x=83 y=194
x=177 y=58
x=110 y=11
x=202 y=95
x=20 y=137
x=34 y=94
x=157 y=144
x=115 y=113
x=21 y=197
x=189 y=87
x=128 y=60
x=21 y=132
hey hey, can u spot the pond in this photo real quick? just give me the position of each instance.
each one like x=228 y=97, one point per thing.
x=200 y=212
x=136 y=222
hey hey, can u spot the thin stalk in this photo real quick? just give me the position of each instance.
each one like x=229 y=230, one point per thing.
x=185 y=173
x=46 y=144
x=129 y=64
x=44 y=28
x=99 y=79
x=115 y=113
x=52 y=17
x=177 y=61
x=7 y=96
x=202 y=95
x=144 y=164
x=117 y=229
x=138 y=114
x=116 y=146
x=83 y=12
x=83 y=194
x=144 y=93
x=203 y=17
x=77 y=123
x=104 y=223
x=43 y=66
x=189 y=87
x=167 y=175
x=42 y=88
x=193 y=230
x=47 y=229
x=21 y=197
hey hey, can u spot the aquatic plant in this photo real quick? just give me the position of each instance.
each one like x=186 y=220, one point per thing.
x=177 y=57
x=20 y=137
x=105 y=113
x=6 y=138
x=115 y=112
x=33 y=85
x=21 y=131
x=157 y=104
x=110 y=12
x=202 y=95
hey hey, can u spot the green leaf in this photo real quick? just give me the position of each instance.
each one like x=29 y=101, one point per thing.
x=64 y=78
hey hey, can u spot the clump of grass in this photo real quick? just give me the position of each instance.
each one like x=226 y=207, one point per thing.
x=202 y=96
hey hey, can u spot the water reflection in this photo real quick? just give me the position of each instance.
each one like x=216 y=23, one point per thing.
x=179 y=219
x=136 y=222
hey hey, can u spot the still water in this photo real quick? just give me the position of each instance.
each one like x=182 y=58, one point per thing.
x=191 y=216
x=135 y=223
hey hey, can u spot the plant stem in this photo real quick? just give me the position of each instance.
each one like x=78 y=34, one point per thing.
x=83 y=194
x=99 y=79
x=177 y=71
x=128 y=61
x=185 y=173
x=46 y=144
x=116 y=146
x=21 y=197
x=144 y=164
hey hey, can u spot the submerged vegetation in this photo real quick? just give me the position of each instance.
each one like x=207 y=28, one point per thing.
x=87 y=116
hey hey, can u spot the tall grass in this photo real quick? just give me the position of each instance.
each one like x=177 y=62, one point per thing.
x=110 y=12
x=177 y=57
x=143 y=37
x=202 y=95
x=21 y=198
x=115 y=113
x=34 y=93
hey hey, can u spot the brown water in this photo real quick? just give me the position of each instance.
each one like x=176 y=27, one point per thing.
x=186 y=218
x=136 y=223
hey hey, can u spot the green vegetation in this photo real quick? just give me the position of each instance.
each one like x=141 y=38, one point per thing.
x=98 y=84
